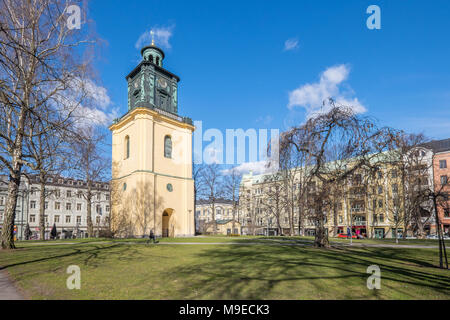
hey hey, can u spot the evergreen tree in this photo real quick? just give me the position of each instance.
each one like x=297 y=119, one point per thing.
x=53 y=233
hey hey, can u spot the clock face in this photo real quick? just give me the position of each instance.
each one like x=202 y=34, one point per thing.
x=162 y=83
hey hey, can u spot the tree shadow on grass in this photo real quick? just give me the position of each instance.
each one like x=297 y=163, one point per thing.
x=292 y=272
x=91 y=255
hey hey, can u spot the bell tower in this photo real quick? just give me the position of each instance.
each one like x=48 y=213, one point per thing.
x=152 y=185
x=150 y=85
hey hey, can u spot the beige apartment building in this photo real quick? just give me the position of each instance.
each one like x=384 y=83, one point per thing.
x=369 y=206
x=224 y=227
x=223 y=213
x=65 y=206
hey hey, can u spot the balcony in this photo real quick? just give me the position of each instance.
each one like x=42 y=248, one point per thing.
x=359 y=221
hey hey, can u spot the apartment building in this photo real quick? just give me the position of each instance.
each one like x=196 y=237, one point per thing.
x=441 y=172
x=372 y=205
x=223 y=213
x=65 y=206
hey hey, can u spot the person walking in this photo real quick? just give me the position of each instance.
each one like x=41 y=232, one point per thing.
x=152 y=237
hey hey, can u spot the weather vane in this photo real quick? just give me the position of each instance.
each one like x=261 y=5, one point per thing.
x=153 y=37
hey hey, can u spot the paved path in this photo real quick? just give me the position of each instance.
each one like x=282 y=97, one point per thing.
x=276 y=242
x=7 y=289
x=298 y=244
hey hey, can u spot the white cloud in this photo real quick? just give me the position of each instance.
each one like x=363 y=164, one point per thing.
x=312 y=96
x=91 y=116
x=268 y=164
x=162 y=36
x=291 y=44
x=97 y=93
x=257 y=167
x=88 y=103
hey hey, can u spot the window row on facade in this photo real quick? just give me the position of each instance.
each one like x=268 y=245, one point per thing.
x=167 y=147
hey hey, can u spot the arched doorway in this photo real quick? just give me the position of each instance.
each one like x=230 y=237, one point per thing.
x=166 y=228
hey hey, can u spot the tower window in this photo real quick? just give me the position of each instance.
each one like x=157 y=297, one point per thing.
x=167 y=147
x=150 y=58
x=157 y=61
x=163 y=101
x=127 y=147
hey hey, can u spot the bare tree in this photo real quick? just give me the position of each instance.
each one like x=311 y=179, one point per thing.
x=357 y=141
x=441 y=200
x=245 y=202
x=273 y=200
x=289 y=169
x=409 y=166
x=198 y=186
x=231 y=187
x=212 y=180
x=90 y=164
x=39 y=59
x=295 y=156
x=46 y=155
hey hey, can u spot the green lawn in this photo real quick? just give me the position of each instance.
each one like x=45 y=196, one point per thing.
x=129 y=269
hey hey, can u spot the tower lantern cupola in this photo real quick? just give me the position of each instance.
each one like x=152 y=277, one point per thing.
x=153 y=54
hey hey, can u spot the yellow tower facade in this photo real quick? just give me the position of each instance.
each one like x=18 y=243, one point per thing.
x=152 y=186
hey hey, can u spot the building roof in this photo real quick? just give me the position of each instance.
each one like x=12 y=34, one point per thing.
x=58 y=180
x=439 y=145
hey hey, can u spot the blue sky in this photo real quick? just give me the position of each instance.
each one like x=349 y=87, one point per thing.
x=236 y=72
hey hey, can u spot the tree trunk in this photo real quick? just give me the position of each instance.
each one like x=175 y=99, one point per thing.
x=90 y=227
x=10 y=210
x=234 y=217
x=42 y=208
x=213 y=207
x=14 y=183
x=300 y=231
x=321 y=239
x=280 y=231
x=291 y=213
x=335 y=219
x=438 y=231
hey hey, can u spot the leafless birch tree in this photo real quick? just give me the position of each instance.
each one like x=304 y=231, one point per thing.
x=40 y=58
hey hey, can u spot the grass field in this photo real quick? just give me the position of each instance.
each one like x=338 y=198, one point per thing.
x=129 y=269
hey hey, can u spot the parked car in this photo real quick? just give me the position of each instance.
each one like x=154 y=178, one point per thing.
x=432 y=236
x=344 y=235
